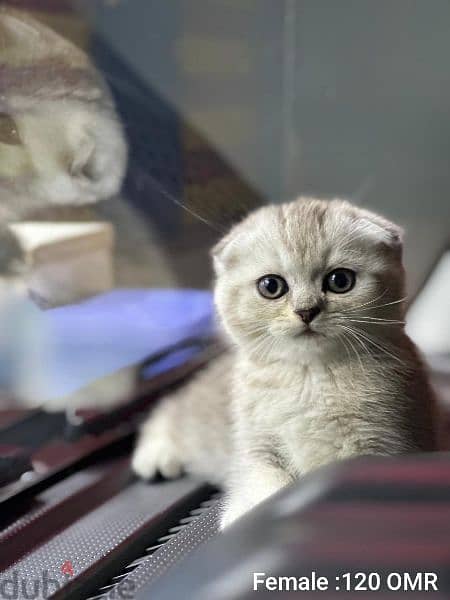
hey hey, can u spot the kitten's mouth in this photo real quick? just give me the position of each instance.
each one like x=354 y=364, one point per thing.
x=308 y=332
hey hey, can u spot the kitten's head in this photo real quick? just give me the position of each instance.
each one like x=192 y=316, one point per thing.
x=60 y=139
x=310 y=277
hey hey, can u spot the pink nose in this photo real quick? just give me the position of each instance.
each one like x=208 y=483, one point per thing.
x=308 y=314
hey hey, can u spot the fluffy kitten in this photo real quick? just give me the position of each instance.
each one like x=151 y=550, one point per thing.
x=62 y=147
x=310 y=294
x=60 y=140
x=63 y=152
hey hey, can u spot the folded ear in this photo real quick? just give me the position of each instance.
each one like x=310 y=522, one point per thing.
x=226 y=252
x=381 y=230
x=26 y=41
x=220 y=251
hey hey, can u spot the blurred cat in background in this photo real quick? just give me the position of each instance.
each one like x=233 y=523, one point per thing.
x=61 y=142
x=63 y=152
x=63 y=156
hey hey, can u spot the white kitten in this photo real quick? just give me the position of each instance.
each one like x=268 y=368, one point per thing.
x=62 y=145
x=61 y=142
x=310 y=294
x=60 y=139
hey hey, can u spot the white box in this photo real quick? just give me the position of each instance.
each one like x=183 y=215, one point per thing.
x=67 y=261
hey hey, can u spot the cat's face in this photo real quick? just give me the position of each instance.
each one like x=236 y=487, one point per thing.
x=59 y=152
x=60 y=139
x=310 y=277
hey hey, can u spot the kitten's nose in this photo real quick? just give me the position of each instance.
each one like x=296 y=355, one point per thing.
x=308 y=314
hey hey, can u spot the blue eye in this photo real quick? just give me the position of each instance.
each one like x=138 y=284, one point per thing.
x=272 y=286
x=339 y=281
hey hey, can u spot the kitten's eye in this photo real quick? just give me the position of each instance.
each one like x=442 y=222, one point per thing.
x=272 y=286
x=9 y=133
x=339 y=281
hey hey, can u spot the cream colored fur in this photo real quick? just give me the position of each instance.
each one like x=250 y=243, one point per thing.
x=70 y=153
x=62 y=146
x=294 y=401
x=61 y=142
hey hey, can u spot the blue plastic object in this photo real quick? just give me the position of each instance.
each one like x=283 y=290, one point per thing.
x=80 y=343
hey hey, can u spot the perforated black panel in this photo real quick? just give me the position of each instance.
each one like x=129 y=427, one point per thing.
x=183 y=541
x=105 y=539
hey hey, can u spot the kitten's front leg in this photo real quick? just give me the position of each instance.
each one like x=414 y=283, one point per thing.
x=253 y=481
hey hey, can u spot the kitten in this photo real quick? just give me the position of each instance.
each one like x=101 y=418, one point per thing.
x=61 y=142
x=310 y=294
x=63 y=152
x=62 y=147
x=60 y=139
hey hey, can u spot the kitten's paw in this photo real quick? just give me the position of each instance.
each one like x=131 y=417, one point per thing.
x=226 y=520
x=154 y=456
x=231 y=513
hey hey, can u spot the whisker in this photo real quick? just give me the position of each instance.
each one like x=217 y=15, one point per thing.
x=387 y=304
x=343 y=340
x=365 y=303
x=350 y=332
x=175 y=200
x=259 y=346
x=379 y=346
x=368 y=322
x=370 y=318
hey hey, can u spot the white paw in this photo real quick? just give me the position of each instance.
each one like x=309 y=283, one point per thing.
x=226 y=519
x=232 y=512
x=154 y=455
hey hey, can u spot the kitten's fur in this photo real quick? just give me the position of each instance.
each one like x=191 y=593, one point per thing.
x=62 y=147
x=69 y=146
x=297 y=401
x=63 y=150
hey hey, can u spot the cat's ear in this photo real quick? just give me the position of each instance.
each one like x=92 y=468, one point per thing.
x=14 y=31
x=226 y=250
x=382 y=231
x=26 y=41
x=218 y=254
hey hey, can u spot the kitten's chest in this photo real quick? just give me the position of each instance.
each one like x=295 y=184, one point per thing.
x=304 y=411
x=279 y=393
